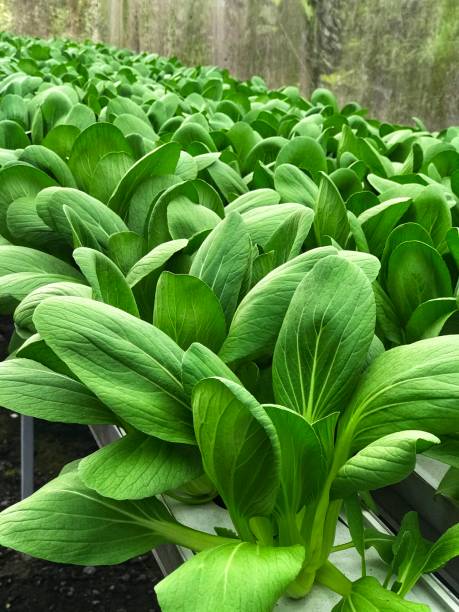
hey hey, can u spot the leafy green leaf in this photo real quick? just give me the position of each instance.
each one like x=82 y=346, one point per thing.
x=368 y=595
x=200 y=362
x=246 y=467
x=130 y=365
x=302 y=463
x=231 y=577
x=332 y=313
x=154 y=260
x=330 y=213
x=23 y=315
x=139 y=466
x=34 y=390
x=258 y=319
x=98 y=530
x=222 y=260
x=385 y=461
x=106 y=279
x=295 y=186
x=159 y=162
x=188 y=311
x=429 y=318
x=400 y=387
x=91 y=145
x=416 y=273
x=378 y=221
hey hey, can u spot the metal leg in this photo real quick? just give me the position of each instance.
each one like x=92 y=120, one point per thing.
x=27 y=456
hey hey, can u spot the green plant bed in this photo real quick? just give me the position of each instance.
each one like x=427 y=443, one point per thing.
x=258 y=288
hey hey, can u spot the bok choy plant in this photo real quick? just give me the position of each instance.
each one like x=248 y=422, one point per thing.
x=337 y=418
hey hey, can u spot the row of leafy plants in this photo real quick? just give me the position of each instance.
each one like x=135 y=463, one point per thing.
x=259 y=289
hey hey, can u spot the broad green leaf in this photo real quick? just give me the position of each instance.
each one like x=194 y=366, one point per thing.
x=324 y=339
x=302 y=464
x=130 y=365
x=222 y=260
x=449 y=485
x=403 y=233
x=32 y=389
x=188 y=311
x=286 y=242
x=80 y=116
x=154 y=260
x=239 y=576
x=49 y=162
x=26 y=227
x=378 y=221
x=23 y=259
x=294 y=185
x=258 y=318
x=162 y=161
x=23 y=314
x=444 y=549
x=185 y=219
x=35 y=349
x=410 y=552
x=416 y=273
x=400 y=387
x=66 y=522
x=347 y=182
x=388 y=323
x=262 y=265
x=61 y=139
x=367 y=595
x=446 y=452
x=429 y=318
x=330 y=217
x=431 y=211
x=369 y=264
x=265 y=152
x=385 y=461
x=106 y=279
x=303 y=152
x=12 y=135
x=20 y=180
x=101 y=220
x=227 y=180
x=82 y=234
x=107 y=173
x=263 y=222
x=131 y=125
x=15 y=287
x=200 y=362
x=90 y=146
x=125 y=249
x=253 y=199
x=139 y=466
x=246 y=467
x=190 y=132
x=357 y=233
x=243 y=138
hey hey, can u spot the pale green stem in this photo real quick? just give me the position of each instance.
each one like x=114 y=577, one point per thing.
x=331 y=577
x=178 y=534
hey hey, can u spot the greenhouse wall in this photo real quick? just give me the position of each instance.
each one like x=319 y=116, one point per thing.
x=398 y=57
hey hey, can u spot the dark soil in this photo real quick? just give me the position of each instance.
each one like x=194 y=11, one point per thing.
x=32 y=585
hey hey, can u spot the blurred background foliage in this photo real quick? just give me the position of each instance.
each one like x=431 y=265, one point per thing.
x=398 y=57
